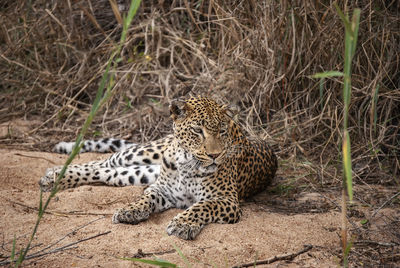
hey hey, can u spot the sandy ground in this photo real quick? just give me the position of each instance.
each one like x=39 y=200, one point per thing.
x=77 y=230
x=81 y=213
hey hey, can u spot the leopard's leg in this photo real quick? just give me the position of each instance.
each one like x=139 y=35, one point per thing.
x=92 y=173
x=153 y=200
x=188 y=224
x=134 y=166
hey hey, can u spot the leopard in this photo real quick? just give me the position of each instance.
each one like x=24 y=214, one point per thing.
x=206 y=167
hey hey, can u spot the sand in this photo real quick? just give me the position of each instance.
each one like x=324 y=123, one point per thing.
x=84 y=212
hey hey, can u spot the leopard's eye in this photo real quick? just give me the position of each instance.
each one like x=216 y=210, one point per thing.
x=197 y=130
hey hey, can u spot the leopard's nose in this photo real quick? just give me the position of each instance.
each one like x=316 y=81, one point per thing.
x=214 y=155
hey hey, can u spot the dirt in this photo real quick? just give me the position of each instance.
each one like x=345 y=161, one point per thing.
x=78 y=214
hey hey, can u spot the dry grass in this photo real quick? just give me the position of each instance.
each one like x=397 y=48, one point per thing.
x=256 y=55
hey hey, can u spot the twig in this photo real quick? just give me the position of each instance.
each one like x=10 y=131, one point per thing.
x=37 y=157
x=66 y=247
x=377 y=243
x=17 y=63
x=78 y=213
x=104 y=203
x=60 y=239
x=276 y=258
x=29 y=207
x=72 y=232
x=140 y=254
x=384 y=204
x=58 y=213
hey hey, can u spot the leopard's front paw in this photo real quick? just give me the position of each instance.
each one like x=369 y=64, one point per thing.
x=183 y=229
x=46 y=183
x=131 y=216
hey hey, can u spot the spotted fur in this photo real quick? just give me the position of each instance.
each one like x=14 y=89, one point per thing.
x=102 y=146
x=205 y=167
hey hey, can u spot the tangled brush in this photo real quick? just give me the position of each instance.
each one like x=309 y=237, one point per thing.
x=256 y=55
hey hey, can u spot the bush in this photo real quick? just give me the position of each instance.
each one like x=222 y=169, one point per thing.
x=257 y=55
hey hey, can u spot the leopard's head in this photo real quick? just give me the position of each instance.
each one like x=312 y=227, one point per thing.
x=203 y=128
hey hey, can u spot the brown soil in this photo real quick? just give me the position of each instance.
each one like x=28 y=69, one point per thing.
x=267 y=229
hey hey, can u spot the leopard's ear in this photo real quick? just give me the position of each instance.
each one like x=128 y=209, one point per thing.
x=179 y=109
x=231 y=111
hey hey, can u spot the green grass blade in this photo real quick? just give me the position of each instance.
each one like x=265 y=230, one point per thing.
x=327 y=74
x=355 y=22
x=131 y=14
x=40 y=202
x=347 y=164
x=344 y=18
x=346 y=254
x=347 y=79
x=182 y=255
x=321 y=92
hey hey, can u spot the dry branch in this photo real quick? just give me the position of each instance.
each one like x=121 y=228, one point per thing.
x=57 y=213
x=384 y=204
x=62 y=248
x=285 y=257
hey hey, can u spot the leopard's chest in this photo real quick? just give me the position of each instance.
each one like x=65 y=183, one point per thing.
x=186 y=185
x=186 y=190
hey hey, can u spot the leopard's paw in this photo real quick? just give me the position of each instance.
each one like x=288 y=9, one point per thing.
x=183 y=229
x=46 y=183
x=130 y=216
